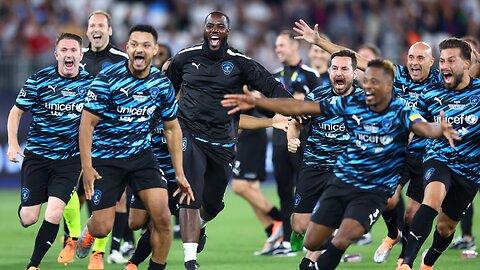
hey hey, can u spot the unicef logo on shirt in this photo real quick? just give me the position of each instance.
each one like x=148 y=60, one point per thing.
x=227 y=67
x=474 y=100
x=471 y=119
x=25 y=194
x=106 y=64
x=97 y=196
x=79 y=107
x=154 y=92
x=151 y=110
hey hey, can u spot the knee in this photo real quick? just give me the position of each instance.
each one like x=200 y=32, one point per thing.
x=212 y=210
x=99 y=231
x=161 y=221
x=28 y=218
x=299 y=224
x=238 y=187
x=311 y=243
x=343 y=242
x=136 y=220
x=445 y=229
x=409 y=214
x=392 y=203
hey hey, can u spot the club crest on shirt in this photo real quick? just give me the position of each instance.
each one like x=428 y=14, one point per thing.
x=97 y=196
x=386 y=124
x=154 y=91
x=227 y=67
x=82 y=90
x=474 y=100
x=25 y=194
x=184 y=144
x=106 y=64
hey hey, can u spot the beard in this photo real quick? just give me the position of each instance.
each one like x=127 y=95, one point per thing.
x=457 y=79
x=216 y=53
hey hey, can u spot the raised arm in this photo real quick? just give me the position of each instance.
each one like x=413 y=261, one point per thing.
x=12 y=128
x=285 y=106
x=173 y=134
x=250 y=122
x=88 y=122
x=436 y=130
x=312 y=36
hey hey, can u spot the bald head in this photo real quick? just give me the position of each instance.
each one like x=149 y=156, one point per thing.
x=420 y=60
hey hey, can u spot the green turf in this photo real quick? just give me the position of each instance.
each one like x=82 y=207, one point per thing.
x=232 y=239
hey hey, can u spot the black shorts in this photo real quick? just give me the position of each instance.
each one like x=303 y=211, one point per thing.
x=172 y=201
x=460 y=191
x=43 y=177
x=208 y=169
x=413 y=174
x=140 y=171
x=311 y=183
x=341 y=200
x=251 y=152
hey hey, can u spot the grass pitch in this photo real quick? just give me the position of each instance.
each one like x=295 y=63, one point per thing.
x=232 y=238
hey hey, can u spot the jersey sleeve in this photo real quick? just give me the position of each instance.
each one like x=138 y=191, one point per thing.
x=97 y=98
x=169 y=106
x=334 y=106
x=174 y=73
x=260 y=79
x=27 y=95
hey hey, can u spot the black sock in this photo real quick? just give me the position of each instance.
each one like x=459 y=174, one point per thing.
x=439 y=245
x=405 y=233
x=45 y=238
x=466 y=223
x=269 y=230
x=121 y=220
x=419 y=231
x=390 y=218
x=330 y=258
x=128 y=234
x=143 y=249
x=274 y=214
x=305 y=264
x=156 y=266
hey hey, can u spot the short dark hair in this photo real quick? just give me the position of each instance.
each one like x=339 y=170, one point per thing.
x=387 y=66
x=169 y=51
x=373 y=48
x=104 y=13
x=66 y=35
x=144 y=28
x=219 y=13
x=452 y=43
x=346 y=53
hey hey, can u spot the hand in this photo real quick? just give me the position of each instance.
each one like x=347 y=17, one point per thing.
x=448 y=132
x=280 y=122
x=13 y=151
x=184 y=188
x=239 y=102
x=89 y=176
x=293 y=145
x=306 y=33
x=302 y=119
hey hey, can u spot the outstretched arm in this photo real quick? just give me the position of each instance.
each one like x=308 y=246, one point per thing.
x=250 y=122
x=285 y=106
x=312 y=36
x=436 y=130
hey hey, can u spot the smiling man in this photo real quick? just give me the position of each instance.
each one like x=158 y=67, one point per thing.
x=115 y=145
x=367 y=173
x=205 y=73
x=51 y=166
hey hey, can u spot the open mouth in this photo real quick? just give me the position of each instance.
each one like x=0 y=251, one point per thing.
x=139 y=60
x=339 y=82
x=214 y=40
x=369 y=96
x=97 y=37
x=447 y=77
x=69 y=63
x=415 y=71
